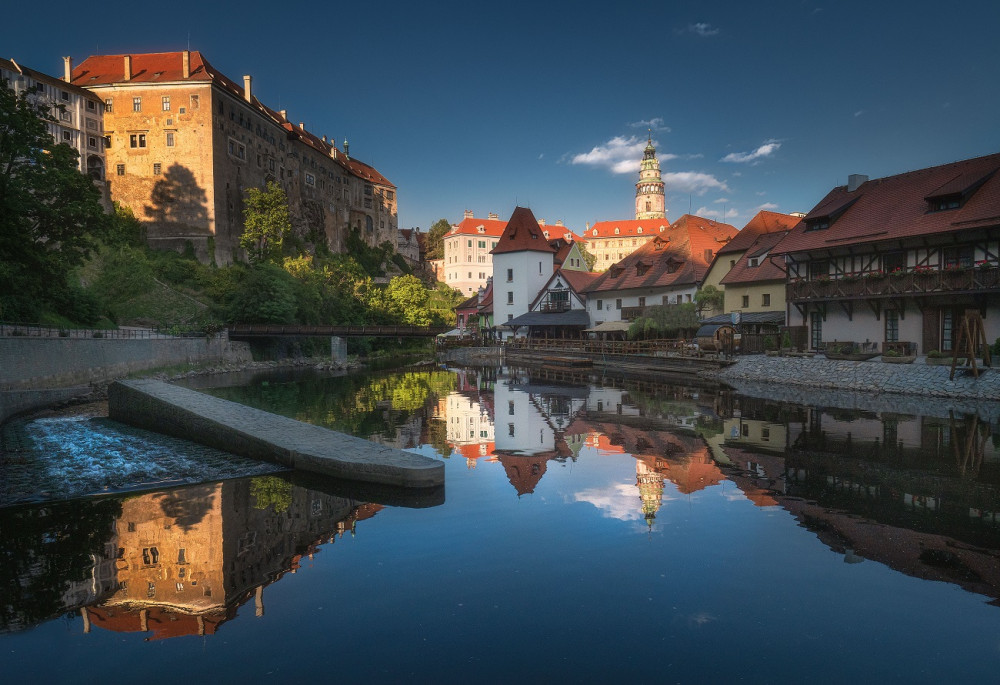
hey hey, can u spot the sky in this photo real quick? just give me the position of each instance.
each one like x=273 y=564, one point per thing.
x=547 y=105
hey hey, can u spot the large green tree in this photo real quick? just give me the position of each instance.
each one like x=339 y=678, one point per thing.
x=50 y=212
x=266 y=222
x=435 y=239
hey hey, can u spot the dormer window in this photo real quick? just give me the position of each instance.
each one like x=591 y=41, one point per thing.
x=480 y=229
x=641 y=269
x=940 y=204
x=953 y=193
x=818 y=224
x=616 y=271
x=546 y=235
x=617 y=232
x=639 y=230
x=594 y=232
x=752 y=262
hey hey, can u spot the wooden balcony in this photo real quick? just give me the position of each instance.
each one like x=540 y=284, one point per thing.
x=554 y=307
x=908 y=283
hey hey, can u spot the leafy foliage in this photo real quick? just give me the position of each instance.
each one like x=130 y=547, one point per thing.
x=709 y=299
x=271 y=491
x=588 y=257
x=435 y=239
x=670 y=320
x=50 y=212
x=267 y=223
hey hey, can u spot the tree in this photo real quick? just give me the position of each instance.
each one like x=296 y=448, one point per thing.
x=435 y=239
x=709 y=299
x=407 y=298
x=588 y=256
x=665 y=320
x=50 y=212
x=266 y=223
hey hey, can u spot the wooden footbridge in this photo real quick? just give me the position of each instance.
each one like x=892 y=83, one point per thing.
x=243 y=331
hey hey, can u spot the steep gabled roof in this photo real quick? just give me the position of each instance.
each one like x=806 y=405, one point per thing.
x=763 y=222
x=680 y=255
x=575 y=281
x=768 y=268
x=522 y=234
x=899 y=207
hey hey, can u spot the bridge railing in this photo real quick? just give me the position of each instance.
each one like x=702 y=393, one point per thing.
x=274 y=330
x=36 y=330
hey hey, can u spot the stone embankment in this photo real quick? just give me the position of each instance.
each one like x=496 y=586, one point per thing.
x=249 y=432
x=473 y=356
x=798 y=375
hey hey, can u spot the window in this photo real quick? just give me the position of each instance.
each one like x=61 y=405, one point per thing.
x=121 y=170
x=510 y=407
x=482 y=244
x=765 y=300
x=91 y=125
x=746 y=301
x=642 y=301
x=752 y=262
x=958 y=257
x=66 y=136
x=510 y=297
x=64 y=95
x=137 y=140
x=157 y=168
x=510 y=275
x=165 y=100
x=90 y=105
x=891 y=326
x=181 y=556
x=618 y=303
x=600 y=304
x=136 y=104
x=108 y=105
x=470 y=243
x=310 y=180
x=170 y=138
x=815 y=330
x=947 y=330
x=893 y=261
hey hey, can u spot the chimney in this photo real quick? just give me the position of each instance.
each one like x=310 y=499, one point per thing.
x=559 y=222
x=246 y=87
x=128 y=67
x=68 y=69
x=854 y=182
x=186 y=63
x=302 y=125
x=541 y=222
x=284 y=114
x=324 y=137
x=468 y=214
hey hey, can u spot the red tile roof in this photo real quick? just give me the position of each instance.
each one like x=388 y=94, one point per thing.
x=470 y=226
x=675 y=257
x=769 y=268
x=629 y=227
x=763 y=222
x=578 y=280
x=522 y=234
x=896 y=207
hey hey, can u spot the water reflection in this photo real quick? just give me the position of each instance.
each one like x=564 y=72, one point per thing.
x=171 y=563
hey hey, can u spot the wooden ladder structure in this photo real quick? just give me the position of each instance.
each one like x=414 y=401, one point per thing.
x=971 y=335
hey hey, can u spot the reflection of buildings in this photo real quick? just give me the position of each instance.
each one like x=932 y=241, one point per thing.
x=469 y=417
x=915 y=493
x=184 y=560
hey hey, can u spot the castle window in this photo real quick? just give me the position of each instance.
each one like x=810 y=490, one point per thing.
x=137 y=140
x=157 y=168
x=137 y=104
x=91 y=105
x=108 y=105
x=170 y=138
x=121 y=169
x=165 y=103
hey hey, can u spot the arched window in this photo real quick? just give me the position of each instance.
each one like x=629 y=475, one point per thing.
x=369 y=224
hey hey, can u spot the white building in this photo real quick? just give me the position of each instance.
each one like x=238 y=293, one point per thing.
x=78 y=113
x=523 y=261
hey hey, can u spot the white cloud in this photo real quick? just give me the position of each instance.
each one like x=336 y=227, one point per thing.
x=656 y=124
x=542 y=155
x=620 y=154
x=769 y=206
x=859 y=113
x=618 y=501
x=703 y=29
x=721 y=200
x=761 y=193
x=694 y=182
x=737 y=173
x=766 y=150
x=716 y=214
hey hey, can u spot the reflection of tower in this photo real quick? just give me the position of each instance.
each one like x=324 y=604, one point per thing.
x=650 y=484
x=649 y=198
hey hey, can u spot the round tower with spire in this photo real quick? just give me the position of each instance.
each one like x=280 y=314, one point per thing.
x=649 y=199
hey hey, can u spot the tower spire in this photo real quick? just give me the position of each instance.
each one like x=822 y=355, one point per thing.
x=650 y=202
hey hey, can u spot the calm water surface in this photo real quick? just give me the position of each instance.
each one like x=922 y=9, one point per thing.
x=589 y=531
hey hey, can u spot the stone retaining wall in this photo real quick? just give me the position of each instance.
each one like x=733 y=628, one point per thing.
x=39 y=363
x=472 y=356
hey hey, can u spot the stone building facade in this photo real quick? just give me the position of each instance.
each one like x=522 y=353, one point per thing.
x=185 y=142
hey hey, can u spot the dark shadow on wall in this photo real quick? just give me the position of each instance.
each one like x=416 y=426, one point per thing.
x=178 y=199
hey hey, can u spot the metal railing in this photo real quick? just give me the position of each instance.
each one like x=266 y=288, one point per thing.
x=35 y=330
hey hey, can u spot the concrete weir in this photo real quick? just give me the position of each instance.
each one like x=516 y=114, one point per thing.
x=249 y=432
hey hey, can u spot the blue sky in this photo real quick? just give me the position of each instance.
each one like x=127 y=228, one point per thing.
x=547 y=104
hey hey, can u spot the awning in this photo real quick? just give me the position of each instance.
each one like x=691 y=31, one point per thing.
x=453 y=333
x=610 y=327
x=573 y=317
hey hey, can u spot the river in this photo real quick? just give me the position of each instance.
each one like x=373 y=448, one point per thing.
x=590 y=530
